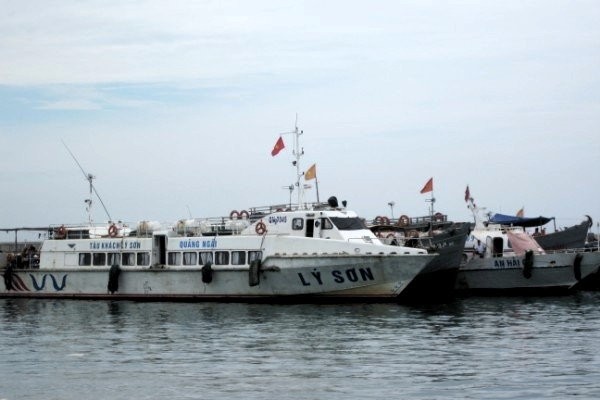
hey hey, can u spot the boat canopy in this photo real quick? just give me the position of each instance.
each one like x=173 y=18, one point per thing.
x=519 y=221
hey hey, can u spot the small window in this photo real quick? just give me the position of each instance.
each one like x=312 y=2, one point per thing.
x=114 y=259
x=129 y=259
x=238 y=257
x=206 y=257
x=190 y=258
x=99 y=259
x=174 y=258
x=326 y=224
x=143 y=258
x=85 y=259
x=221 y=257
x=254 y=255
x=298 y=224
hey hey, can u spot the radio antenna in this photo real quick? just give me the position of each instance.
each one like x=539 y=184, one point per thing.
x=90 y=178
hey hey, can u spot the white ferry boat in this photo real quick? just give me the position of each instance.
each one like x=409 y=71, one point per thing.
x=284 y=253
x=325 y=252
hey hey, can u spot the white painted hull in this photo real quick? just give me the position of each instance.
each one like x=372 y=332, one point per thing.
x=294 y=263
x=549 y=271
x=342 y=276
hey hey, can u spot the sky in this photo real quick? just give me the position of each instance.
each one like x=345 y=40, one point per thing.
x=175 y=106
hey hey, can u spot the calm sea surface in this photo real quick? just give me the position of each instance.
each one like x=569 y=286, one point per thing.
x=474 y=348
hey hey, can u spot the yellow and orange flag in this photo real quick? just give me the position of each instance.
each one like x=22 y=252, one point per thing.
x=311 y=173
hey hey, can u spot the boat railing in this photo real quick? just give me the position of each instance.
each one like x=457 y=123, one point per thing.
x=261 y=211
x=408 y=241
x=405 y=220
x=574 y=250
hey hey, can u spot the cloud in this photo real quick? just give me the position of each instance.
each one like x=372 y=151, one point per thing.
x=182 y=102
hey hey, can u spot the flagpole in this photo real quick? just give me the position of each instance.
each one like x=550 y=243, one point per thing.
x=317 y=187
x=429 y=188
x=431 y=200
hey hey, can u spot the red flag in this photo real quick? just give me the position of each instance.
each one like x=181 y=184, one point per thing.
x=278 y=147
x=428 y=186
x=467 y=194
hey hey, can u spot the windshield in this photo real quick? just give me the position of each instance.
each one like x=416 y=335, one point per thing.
x=348 y=224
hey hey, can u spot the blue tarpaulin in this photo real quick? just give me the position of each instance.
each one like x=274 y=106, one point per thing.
x=519 y=221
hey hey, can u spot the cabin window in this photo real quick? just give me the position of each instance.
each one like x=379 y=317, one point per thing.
x=114 y=259
x=143 y=258
x=85 y=259
x=298 y=224
x=326 y=223
x=174 y=258
x=348 y=224
x=129 y=259
x=99 y=259
x=221 y=257
x=238 y=257
x=254 y=255
x=206 y=257
x=190 y=258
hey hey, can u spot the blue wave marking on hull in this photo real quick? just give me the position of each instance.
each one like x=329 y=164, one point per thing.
x=54 y=282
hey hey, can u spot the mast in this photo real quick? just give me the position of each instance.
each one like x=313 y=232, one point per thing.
x=478 y=213
x=431 y=200
x=90 y=178
x=297 y=152
x=88 y=201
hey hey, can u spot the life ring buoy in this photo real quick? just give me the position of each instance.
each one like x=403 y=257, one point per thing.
x=379 y=220
x=62 y=231
x=403 y=220
x=113 y=230
x=261 y=228
x=234 y=214
x=244 y=214
x=439 y=217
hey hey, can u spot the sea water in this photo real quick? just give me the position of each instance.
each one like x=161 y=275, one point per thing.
x=471 y=348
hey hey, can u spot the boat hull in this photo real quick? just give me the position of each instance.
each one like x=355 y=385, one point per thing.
x=342 y=276
x=438 y=279
x=570 y=238
x=555 y=272
x=592 y=281
x=436 y=282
